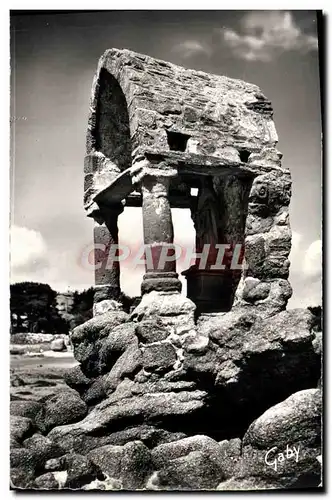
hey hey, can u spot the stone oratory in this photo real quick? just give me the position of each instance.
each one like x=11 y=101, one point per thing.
x=171 y=394
x=157 y=130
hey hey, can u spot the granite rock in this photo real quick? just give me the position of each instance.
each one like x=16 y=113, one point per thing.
x=284 y=442
x=62 y=408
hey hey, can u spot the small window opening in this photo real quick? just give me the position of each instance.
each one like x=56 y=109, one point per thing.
x=177 y=141
x=244 y=155
x=194 y=191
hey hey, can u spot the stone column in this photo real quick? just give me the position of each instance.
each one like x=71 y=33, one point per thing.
x=265 y=282
x=158 y=235
x=107 y=269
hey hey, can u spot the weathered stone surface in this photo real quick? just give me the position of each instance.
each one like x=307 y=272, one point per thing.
x=231 y=456
x=55 y=464
x=97 y=354
x=80 y=470
x=82 y=442
x=87 y=339
x=46 y=482
x=164 y=453
x=158 y=229
x=110 y=289
x=75 y=378
x=255 y=290
x=268 y=298
x=152 y=330
x=108 y=458
x=171 y=308
x=108 y=350
x=13 y=443
x=58 y=345
x=318 y=343
x=120 y=337
x=126 y=366
x=43 y=448
x=62 y=408
x=91 y=390
x=21 y=478
x=298 y=417
x=195 y=471
x=149 y=435
x=20 y=427
x=241 y=334
x=267 y=253
x=96 y=392
x=162 y=96
x=129 y=403
x=284 y=442
x=98 y=327
x=26 y=408
x=136 y=465
x=252 y=363
x=107 y=270
x=196 y=344
x=159 y=357
x=26 y=461
x=105 y=306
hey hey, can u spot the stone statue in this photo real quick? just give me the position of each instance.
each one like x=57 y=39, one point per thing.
x=205 y=216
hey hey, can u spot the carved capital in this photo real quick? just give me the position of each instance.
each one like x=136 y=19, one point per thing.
x=101 y=214
x=94 y=213
x=110 y=214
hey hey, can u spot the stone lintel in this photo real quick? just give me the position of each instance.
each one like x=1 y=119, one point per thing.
x=189 y=164
x=193 y=163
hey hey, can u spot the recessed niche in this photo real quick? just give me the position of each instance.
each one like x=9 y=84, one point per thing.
x=112 y=131
x=177 y=141
x=244 y=155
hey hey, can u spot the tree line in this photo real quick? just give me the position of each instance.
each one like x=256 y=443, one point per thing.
x=36 y=308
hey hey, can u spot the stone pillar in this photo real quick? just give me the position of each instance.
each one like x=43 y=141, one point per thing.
x=107 y=269
x=267 y=245
x=158 y=236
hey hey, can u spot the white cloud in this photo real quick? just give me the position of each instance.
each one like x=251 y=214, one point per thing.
x=312 y=265
x=190 y=48
x=27 y=246
x=266 y=34
x=305 y=272
x=32 y=260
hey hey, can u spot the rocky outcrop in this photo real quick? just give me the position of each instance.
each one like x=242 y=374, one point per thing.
x=252 y=363
x=280 y=449
x=181 y=410
x=283 y=444
x=46 y=481
x=62 y=408
x=195 y=471
x=90 y=338
x=25 y=408
x=131 y=403
x=20 y=428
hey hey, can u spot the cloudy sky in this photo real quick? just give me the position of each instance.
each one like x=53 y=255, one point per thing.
x=53 y=59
